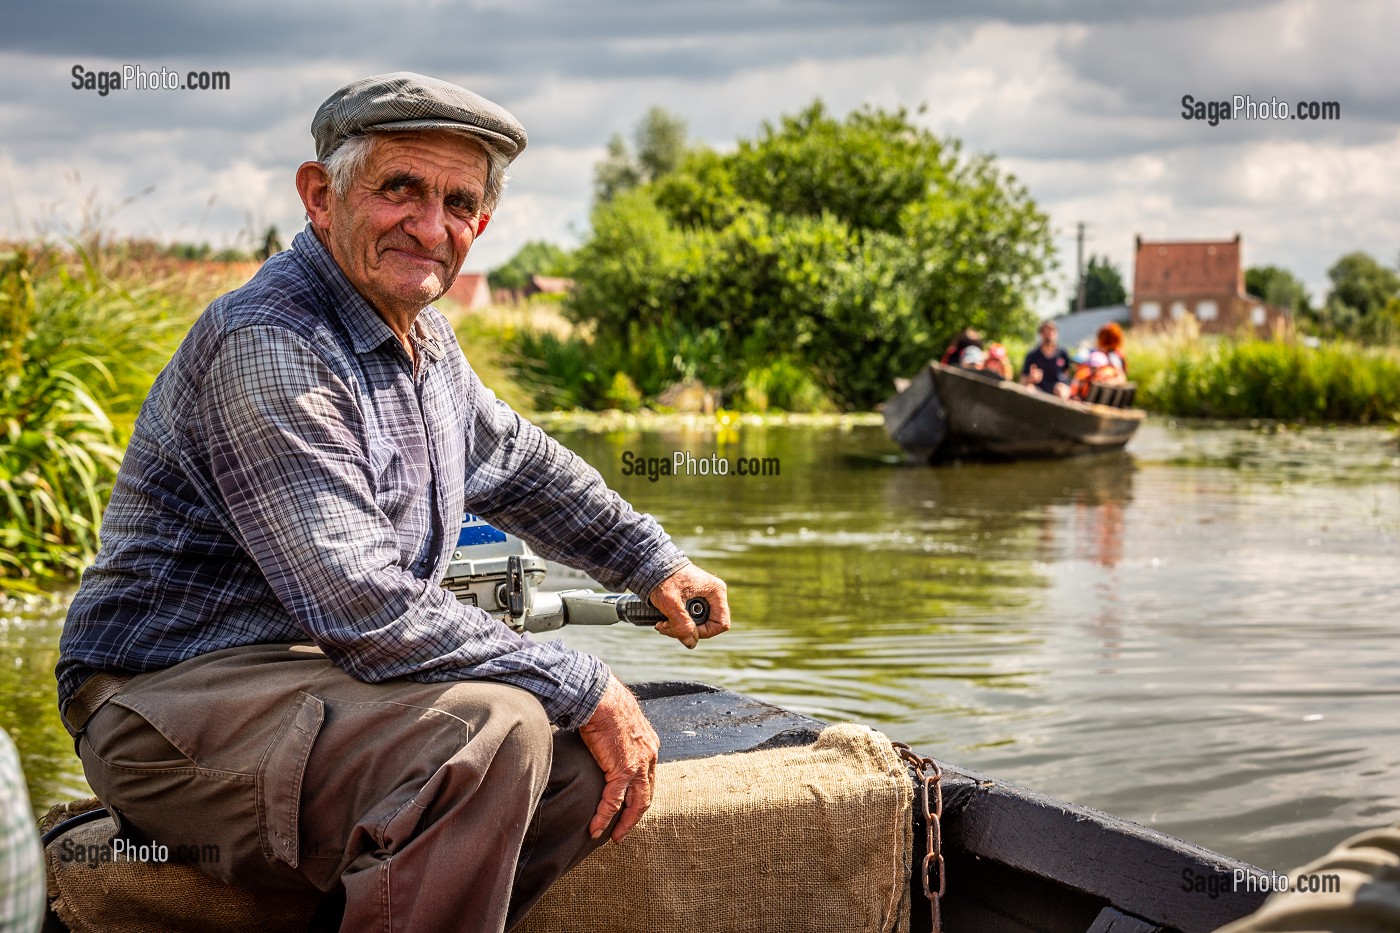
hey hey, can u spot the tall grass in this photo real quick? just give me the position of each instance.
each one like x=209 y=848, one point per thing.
x=1182 y=373
x=77 y=354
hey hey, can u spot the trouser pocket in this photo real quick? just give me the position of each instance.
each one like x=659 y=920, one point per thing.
x=280 y=776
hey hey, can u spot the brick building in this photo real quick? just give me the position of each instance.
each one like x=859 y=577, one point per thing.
x=1201 y=278
x=471 y=290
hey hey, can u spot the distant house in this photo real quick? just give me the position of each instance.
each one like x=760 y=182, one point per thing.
x=548 y=285
x=471 y=290
x=1201 y=278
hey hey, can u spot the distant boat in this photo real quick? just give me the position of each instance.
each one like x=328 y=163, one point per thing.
x=949 y=413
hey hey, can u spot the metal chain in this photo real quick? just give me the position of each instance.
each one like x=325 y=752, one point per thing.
x=930 y=780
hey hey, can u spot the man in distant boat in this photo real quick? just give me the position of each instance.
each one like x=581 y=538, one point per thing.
x=1047 y=364
x=261 y=659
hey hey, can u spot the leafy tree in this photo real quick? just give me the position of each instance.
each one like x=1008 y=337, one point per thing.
x=1360 y=282
x=534 y=258
x=850 y=249
x=660 y=143
x=1362 y=302
x=1103 y=285
x=1278 y=287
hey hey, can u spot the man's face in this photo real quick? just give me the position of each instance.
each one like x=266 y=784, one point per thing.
x=408 y=219
x=1048 y=333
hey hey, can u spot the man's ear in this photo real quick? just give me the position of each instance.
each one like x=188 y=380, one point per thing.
x=314 y=186
x=481 y=221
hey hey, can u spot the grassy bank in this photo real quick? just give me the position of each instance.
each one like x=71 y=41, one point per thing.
x=1187 y=375
x=80 y=344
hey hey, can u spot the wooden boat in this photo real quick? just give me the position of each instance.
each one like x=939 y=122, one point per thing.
x=1015 y=860
x=950 y=413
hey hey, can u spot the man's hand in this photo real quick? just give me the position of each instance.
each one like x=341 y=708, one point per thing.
x=670 y=595
x=625 y=746
x=1034 y=376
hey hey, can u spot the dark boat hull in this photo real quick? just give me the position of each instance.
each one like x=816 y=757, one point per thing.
x=948 y=413
x=1016 y=860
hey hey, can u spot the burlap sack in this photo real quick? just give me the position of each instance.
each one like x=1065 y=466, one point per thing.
x=815 y=839
x=137 y=897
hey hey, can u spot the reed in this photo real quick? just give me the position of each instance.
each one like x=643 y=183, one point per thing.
x=1182 y=373
x=78 y=352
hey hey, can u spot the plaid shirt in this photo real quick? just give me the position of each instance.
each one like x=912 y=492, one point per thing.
x=291 y=477
x=22 y=891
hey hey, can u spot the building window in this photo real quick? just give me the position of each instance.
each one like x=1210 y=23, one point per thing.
x=1178 y=310
x=1207 y=310
x=1259 y=316
x=1149 y=311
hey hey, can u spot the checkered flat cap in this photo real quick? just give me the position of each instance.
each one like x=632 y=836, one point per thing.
x=407 y=101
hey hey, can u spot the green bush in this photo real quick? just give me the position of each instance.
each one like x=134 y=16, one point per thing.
x=855 y=249
x=77 y=356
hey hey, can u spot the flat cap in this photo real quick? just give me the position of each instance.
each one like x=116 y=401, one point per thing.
x=407 y=101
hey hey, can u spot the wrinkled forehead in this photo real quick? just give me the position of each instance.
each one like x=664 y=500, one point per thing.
x=441 y=160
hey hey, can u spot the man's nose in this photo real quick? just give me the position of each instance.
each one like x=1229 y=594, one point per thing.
x=427 y=223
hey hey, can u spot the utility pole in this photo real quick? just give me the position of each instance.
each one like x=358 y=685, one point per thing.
x=1079 y=303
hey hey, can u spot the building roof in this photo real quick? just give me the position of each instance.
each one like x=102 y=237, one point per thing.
x=1188 y=268
x=1081 y=326
x=470 y=289
x=551 y=284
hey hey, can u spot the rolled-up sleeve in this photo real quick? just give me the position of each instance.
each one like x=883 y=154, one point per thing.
x=284 y=445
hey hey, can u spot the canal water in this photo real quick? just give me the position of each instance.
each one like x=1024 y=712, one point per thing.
x=1198 y=635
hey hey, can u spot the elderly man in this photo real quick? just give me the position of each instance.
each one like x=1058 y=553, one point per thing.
x=261 y=658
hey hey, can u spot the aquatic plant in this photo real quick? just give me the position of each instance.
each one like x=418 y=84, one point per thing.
x=1282 y=379
x=77 y=354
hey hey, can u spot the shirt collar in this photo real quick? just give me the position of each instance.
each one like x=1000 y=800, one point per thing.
x=367 y=328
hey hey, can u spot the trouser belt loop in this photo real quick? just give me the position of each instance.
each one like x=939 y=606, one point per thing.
x=91 y=697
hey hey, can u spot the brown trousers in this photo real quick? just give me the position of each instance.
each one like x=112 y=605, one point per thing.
x=437 y=806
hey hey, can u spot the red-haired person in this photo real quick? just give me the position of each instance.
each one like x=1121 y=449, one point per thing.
x=1104 y=365
x=1110 y=338
x=996 y=362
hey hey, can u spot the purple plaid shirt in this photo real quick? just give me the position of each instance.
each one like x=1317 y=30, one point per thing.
x=291 y=477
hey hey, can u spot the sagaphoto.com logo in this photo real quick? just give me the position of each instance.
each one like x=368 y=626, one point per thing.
x=135 y=77
x=1245 y=107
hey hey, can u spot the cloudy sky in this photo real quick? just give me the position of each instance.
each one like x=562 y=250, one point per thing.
x=1080 y=99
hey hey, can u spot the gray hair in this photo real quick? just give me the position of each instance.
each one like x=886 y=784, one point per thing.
x=346 y=162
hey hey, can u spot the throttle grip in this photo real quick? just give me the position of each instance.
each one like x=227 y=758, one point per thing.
x=640 y=612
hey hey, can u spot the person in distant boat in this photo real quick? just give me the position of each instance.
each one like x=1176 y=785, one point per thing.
x=1096 y=367
x=1047 y=365
x=972 y=357
x=997 y=362
x=953 y=356
x=1110 y=342
x=262 y=654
